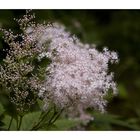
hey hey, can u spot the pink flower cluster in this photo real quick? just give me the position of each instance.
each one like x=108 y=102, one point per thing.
x=77 y=77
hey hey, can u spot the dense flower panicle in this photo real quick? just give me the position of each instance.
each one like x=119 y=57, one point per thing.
x=77 y=77
x=17 y=72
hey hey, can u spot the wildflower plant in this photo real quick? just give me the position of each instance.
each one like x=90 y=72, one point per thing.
x=47 y=65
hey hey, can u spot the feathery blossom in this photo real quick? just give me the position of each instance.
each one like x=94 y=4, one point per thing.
x=76 y=77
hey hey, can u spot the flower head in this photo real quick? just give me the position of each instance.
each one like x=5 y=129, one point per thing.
x=75 y=76
x=78 y=76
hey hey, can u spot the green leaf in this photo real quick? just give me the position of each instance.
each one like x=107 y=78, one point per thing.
x=65 y=124
x=29 y=120
x=1 y=121
x=105 y=122
x=7 y=120
x=1 y=109
x=122 y=91
x=8 y=106
x=1 y=116
x=40 y=103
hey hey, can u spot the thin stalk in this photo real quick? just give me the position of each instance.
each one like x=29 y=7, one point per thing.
x=10 y=123
x=37 y=126
x=20 y=122
x=17 y=123
x=55 y=118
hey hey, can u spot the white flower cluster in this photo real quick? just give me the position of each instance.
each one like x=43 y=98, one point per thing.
x=78 y=75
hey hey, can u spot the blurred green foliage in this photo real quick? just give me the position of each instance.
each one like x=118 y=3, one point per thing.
x=119 y=30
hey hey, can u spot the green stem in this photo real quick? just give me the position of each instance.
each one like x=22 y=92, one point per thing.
x=20 y=122
x=55 y=118
x=52 y=118
x=17 y=123
x=10 y=123
x=37 y=126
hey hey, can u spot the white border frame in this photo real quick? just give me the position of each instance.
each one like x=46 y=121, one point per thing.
x=69 y=135
x=69 y=4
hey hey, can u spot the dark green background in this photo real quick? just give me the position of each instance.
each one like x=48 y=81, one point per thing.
x=119 y=30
